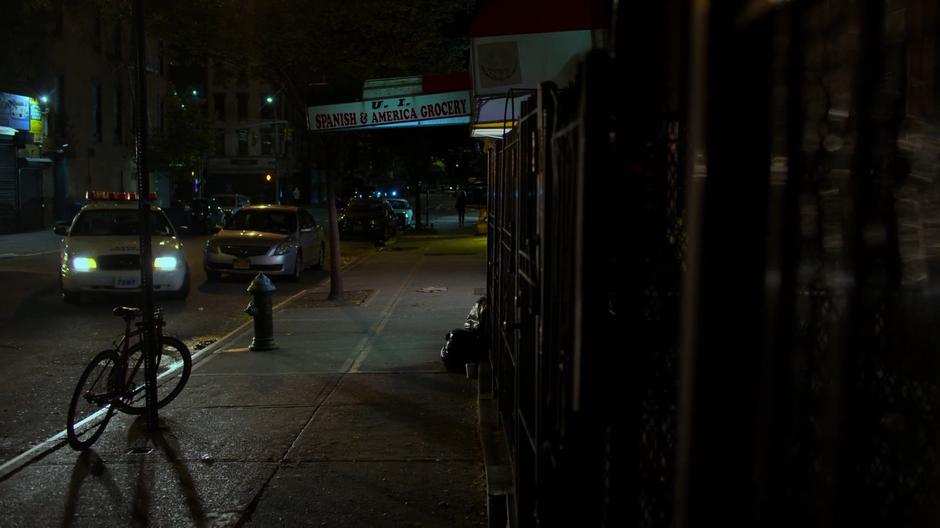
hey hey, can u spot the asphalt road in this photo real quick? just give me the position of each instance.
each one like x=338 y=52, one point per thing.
x=45 y=343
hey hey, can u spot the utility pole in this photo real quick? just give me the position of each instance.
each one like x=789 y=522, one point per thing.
x=143 y=202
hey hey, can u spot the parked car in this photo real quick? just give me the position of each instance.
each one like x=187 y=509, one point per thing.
x=205 y=215
x=403 y=212
x=101 y=250
x=369 y=217
x=274 y=239
x=230 y=203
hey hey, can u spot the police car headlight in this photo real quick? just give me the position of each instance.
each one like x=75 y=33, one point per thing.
x=284 y=247
x=164 y=263
x=84 y=264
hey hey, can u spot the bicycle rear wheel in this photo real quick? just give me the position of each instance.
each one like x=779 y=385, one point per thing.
x=90 y=408
x=174 y=363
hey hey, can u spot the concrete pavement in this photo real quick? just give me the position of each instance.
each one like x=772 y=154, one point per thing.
x=353 y=421
x=29 y=243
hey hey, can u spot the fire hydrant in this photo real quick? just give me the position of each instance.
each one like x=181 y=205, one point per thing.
x=261 y=290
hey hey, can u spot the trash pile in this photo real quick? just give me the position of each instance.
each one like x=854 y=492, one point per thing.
x=468 y=344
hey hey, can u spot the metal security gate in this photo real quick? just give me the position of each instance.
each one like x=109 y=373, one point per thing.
x=718 y=307
x=8 y=176
x=30 y=200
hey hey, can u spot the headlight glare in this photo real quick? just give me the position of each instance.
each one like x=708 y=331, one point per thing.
x=84 y=264
x=284 y=247
x=164 y=263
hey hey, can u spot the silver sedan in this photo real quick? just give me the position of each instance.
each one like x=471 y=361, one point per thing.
x=274 y=239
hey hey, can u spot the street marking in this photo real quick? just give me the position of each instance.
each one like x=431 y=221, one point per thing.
x=16 y=255
x=57 y=440
x=386 y=316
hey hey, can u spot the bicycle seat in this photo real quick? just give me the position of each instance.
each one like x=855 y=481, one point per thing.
x=126 y=311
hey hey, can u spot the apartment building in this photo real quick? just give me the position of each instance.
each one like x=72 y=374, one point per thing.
x=83 y=77
x=255 y=151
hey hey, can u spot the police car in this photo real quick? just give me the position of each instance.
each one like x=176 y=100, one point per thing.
x=101 y=249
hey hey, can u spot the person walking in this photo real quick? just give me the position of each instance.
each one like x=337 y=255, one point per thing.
x=461 y=204
x=297 y=195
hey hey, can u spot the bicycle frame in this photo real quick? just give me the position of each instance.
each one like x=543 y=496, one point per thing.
x=123 y=349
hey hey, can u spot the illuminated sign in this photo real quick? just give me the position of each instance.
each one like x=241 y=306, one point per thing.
x=14 y=111
x=418 y=110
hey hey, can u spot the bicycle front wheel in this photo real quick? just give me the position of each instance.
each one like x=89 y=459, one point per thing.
x=90 y=408
x=174 y=363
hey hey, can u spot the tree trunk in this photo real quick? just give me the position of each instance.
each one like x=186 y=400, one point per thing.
x=336 y=258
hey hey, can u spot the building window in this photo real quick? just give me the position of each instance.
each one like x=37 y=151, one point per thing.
x=267 y=141
x=242 y=106
x=220 y=142
x=118 y=111
x=96 y=110
x=218 y=102
x=243 y=141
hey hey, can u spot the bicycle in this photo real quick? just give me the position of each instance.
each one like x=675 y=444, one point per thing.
x=114 y=379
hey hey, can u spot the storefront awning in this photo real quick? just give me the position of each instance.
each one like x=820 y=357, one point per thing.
x=35 y=162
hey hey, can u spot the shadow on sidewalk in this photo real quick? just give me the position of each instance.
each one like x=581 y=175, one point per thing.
x=88 y=463
x=142 y=441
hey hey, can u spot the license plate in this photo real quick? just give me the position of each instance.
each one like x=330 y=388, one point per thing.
x=241 y=264
x=126 y=282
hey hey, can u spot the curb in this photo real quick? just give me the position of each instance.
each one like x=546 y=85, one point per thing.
x=200 y=358
x=496 y=461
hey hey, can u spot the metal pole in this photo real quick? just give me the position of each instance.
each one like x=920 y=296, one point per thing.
x=143 y=201
x=277 y=161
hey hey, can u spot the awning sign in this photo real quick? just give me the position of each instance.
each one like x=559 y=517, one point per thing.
x=14 y=111
x=420 y=110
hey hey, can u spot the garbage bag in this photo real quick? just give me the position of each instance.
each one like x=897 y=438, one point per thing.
x=461 y=346
x=476 y=320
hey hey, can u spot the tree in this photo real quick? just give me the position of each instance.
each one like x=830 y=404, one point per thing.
x=185 y=140
x=320 y=52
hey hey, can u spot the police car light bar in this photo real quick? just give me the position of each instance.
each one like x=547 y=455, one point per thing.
x=115 y=196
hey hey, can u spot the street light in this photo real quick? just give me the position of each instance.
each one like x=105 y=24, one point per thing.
x=195 y=93
x=277 y=183
x=44 y=99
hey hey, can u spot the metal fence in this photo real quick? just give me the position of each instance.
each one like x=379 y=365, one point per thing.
x=714 y=269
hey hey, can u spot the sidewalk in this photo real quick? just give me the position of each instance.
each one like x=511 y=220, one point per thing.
x=29 y=243
x=353 y=421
